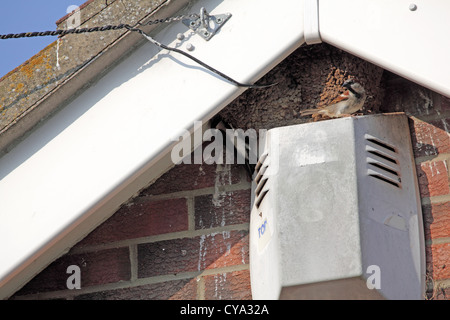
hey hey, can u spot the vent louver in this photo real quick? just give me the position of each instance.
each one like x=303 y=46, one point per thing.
x=261 y=179
x=382 y=161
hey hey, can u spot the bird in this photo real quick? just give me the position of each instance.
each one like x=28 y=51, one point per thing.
x=347 y=103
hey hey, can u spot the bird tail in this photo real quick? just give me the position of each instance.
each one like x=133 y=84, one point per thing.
x=307 y=112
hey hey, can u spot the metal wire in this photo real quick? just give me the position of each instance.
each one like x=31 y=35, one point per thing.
x=61 y=32
x=134 y=29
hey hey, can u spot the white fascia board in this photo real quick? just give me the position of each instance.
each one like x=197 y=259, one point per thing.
x=411 y=43
x=76 y=169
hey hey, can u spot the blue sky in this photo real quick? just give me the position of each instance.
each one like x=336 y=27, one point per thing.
x=27 y=16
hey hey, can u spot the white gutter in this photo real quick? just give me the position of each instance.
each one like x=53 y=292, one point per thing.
x=75 y=171
x=407 y=37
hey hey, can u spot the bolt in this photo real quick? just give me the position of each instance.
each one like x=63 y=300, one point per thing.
x=206 y=33
x=189 y=47
x=412 y=7
x=180 y=36
x=219 y=20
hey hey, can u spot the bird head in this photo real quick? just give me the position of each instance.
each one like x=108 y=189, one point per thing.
x=348 y=83
x=354 y=87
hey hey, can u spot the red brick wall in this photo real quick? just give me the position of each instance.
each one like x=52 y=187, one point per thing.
x=429 y=115
x=186 y=236
x=432 y=152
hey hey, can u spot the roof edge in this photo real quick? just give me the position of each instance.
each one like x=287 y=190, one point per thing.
x=61 y=20
x=76 y=81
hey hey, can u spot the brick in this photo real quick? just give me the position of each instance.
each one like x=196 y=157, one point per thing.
x=438 y=261
x=101 y=267
x=193 y=176
x=215 y=250
x=445 y=104
x=442 y=124
x=430 y=138
x=437 y=220
x=441 y=294
x=228 y=286
x=185 y=289
x=433 y=179
x=222 y=209
x=141 y=220
x=185 y=177
x=405 y=96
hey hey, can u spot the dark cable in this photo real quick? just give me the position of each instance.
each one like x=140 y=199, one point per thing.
x=201 y=62
x=61 y=33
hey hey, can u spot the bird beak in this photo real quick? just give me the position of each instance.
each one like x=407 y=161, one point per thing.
x=347 y=83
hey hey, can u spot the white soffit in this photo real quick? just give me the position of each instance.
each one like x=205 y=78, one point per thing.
x=74 y=171
x=407 y=37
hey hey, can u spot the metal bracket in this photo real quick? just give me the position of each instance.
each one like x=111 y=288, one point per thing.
x=206 y=25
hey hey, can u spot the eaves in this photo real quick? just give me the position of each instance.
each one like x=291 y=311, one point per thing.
x=47 y=82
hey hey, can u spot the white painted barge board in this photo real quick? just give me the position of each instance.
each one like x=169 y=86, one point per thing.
x=62 y=180
x=411 y=43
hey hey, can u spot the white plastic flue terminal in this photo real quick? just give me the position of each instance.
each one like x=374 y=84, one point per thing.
x=337 y=212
